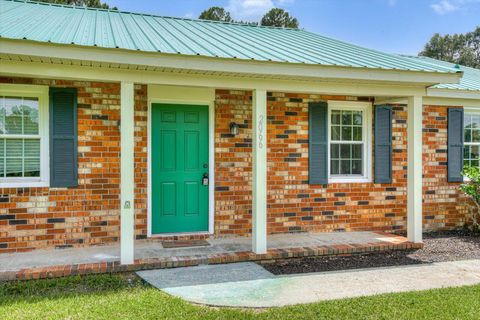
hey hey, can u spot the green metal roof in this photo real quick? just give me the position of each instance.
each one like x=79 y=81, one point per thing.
x=469 y=81
x=62 y=24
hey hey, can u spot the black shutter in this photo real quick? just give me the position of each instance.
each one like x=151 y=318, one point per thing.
x=383 y=144
x=63 y=137
x=318 y=143
x=455 y=144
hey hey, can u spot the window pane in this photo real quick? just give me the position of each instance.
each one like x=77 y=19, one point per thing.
x=335 y=133
x=466 y=152
x=14 y=167
x=335 y=117
x=30 y=116
x=13 y=115
x=357 y=134
x=14 y=148
x=334 y=167
x=346 y=158
x=356 y=166
x=357 y=151
x=467 y=120
x=32 y=148
x=468 y=135
x=357 y=118
x=347 y=118
x=475 y=135
x=345 y=151
x=335 y=151
x=346 y=133
x=21 y=159
x=345 y=167
x=474 y=152
x=32 y=167
x=475 y=121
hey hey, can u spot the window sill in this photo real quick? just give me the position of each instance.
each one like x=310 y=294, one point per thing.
x=349 y=180
x=23 y=184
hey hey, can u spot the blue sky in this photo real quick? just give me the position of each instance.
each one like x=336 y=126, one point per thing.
x=397 y=26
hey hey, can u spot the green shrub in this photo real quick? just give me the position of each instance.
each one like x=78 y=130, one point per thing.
x=471 y=188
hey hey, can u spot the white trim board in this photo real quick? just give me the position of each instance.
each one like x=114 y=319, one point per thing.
x=225 y=65
x=351 y=88
x=211 y=158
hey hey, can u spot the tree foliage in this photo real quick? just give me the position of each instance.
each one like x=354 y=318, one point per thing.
x=83 y=3
x=277 y=17
x=216 y=14
x=463 y=49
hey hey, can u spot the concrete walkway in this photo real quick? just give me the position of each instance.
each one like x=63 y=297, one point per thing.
x=249 y=285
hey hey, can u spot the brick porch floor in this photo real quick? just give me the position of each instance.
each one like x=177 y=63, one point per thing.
x=150 y=254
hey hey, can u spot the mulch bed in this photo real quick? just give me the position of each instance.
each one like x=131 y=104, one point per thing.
x=444 y=246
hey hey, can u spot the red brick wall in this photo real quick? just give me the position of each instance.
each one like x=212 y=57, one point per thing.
x=443 y=205
x=88 y=214
x=293 y=204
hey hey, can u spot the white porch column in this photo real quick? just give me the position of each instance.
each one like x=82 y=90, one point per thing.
x=127 y=220
x=259 y=183
x=415 y=167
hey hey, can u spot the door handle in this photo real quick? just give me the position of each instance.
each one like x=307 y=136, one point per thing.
x=205 y=179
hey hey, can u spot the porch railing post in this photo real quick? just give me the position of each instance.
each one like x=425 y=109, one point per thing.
x=414 y=171
x=259 y=183
x=127 y=208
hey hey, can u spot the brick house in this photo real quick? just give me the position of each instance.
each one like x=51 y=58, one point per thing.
x=116 y=127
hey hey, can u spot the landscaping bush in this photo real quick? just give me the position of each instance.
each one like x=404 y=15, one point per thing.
x=471 y=188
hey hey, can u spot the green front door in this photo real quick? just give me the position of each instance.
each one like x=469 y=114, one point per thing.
x=179 y=163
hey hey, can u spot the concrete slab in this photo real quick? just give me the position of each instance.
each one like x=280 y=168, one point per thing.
x=274 y=291
x=12 y=262
x=206 y=274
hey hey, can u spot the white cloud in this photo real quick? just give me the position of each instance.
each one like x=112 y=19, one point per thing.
x=392 y=3
x=253 y=10
x=189 y=15
x=444 y=7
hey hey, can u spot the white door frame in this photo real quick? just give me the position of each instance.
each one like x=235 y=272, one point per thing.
x=211 y=164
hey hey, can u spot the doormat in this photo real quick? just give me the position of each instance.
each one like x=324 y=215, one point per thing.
x=185 y=243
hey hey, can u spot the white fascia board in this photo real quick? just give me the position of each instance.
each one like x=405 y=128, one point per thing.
x=44 y=70
x=161 y=60
x=453 y=93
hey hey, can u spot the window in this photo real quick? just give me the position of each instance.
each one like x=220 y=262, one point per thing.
x=23 y=132
x=349 y=141
x=471 y=129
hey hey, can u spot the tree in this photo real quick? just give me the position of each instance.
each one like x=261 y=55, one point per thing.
x=277 y=17
x=216 y=14
x=83 y=3
x=463 y=49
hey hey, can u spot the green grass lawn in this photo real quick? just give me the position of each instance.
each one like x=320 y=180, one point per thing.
x=126 y=297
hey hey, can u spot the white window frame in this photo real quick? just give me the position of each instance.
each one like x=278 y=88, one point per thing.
x=366 y=108
x=466 y=111
x=41 y=93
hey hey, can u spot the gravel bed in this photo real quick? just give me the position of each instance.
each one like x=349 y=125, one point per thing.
x=445 y=246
